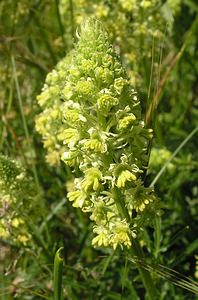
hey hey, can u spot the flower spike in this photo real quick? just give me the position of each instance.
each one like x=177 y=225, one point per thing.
x=91 y=120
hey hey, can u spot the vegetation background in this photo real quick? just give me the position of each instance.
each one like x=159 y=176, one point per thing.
x=158 y=45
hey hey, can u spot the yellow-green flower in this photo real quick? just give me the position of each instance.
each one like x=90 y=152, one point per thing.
x=16 y=222
x=121 y=234
x=95 y=145
x=140 y=197
x=126 y=121
x=85 y=88
x=125 y=176
x=92 y=180
x=22 y=238
x=77 y=197
x=4 y=233
x=69 y=136
x=53 y=157
x=102 y=238
x=106 y=102
x=46 y=95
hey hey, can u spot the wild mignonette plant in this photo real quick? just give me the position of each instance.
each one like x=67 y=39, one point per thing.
x=91 y=120
x=18 y=201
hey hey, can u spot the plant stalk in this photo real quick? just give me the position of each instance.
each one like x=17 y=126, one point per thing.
x=136 y=249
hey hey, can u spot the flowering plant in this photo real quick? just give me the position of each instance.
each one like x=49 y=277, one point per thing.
x=18 y=201
x=91 y=120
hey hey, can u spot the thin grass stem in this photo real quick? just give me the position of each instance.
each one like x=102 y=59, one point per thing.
x=190 y=135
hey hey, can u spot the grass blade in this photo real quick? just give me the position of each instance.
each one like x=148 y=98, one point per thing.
x=58 y=271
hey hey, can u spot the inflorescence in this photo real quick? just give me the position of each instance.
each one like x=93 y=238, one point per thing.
x=91 y=120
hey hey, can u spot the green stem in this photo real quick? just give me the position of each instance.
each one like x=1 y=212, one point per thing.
x=136 y=249
x=60 y=22
x=27 y=135
x=157 y=235
x=58 y=272
x=71 y=18
x=145 y=275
